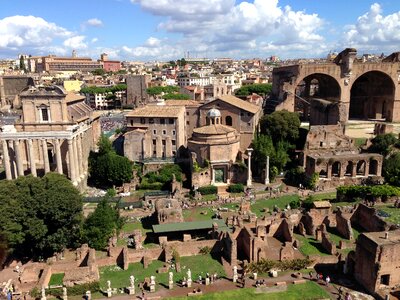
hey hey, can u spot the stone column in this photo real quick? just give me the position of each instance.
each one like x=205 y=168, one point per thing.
x=58 y=156
x=6 y=159
x=354 y=169
x=32 y=163
x=80 y=154
x=159 y=146
x=18 y=157
x=45 y=157
x=249 y=177
x=329 y=171
x=267 y=172
x=76 y=159
x=168 y=147
x=71 y=158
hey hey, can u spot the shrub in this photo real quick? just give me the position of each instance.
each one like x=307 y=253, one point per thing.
x=265 y=265
x=150 y=186
x=311 y=182
x=353 y=192
x=308 y=202
x=207 y=190
x=236 y=188
x=295 y=204
x=81 y=289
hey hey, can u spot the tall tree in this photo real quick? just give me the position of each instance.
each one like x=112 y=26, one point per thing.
x=281 y=126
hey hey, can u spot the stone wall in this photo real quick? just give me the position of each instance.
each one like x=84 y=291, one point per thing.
x=343 y=225
x=366 y=218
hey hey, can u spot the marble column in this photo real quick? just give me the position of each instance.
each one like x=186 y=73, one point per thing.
x=18 y=158
x=267 y=172
x=76 y=159
x=45 y=157
x=80 y=154
x=58 y=156
x=32 y=163
x=71 y=158
x=6 y=159
x=249 y=175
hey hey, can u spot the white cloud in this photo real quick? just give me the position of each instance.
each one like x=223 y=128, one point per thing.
x=374 y=31
x=222 y=26
x=29 y=31
x=94 y=22
x=94 y=40
x=76 y=42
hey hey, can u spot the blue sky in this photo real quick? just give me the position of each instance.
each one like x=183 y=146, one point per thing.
x=166 y=29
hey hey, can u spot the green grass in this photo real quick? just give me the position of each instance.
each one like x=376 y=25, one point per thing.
x=394 y=213
x=307 y=291
x=56 y=279
x=360 y=142
x=325 y=196
x=199 y=265
x=281 y=202
x=198 y=214
x=310 y=246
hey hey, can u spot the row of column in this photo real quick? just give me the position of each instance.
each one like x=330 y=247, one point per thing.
x=14 y=161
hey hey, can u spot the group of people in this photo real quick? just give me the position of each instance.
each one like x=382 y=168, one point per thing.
x=260 y=282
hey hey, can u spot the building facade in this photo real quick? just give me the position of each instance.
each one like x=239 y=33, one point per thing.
x=55 y=134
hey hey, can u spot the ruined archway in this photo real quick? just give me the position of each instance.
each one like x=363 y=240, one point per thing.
x=336 y=169
x=316 y=99
x=372 y=97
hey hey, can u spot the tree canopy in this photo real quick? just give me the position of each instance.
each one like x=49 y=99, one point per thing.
x=383 y=143
x=103 y=90
x=261 y=89
x=281 y=126
x=391 y=169
x=158 y=90
x=176 y=96
x=39 y=216
x=101 y=225
x=107 y=168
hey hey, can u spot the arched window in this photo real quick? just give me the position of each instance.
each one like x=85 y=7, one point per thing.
x=228 y=120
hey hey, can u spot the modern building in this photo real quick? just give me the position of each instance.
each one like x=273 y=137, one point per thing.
x=109 y=65
x=52 y=64
x=55 y=133
x=192 y=80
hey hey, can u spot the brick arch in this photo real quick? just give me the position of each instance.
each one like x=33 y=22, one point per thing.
x=372 y=96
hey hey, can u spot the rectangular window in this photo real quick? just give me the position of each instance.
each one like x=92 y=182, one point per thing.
x=385 y=279
x=151 y=121
x=142 y=121
x=131 y=122
x=164 y=132
x=173 y=132
x=154 y=142
x=173 y=153
x=187 y=113
x=173 y=142
x=163 y=142
x=171 y=121
x=45 y=114
x=162 y=121
x=187 y=122
x=154 y=131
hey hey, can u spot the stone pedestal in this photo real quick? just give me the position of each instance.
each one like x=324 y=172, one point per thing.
x=88 y=295
x=207 y=281
x=152 y=288
x=235 y=278
x=255 y=276
x=189 y=283
x=170 y=285
x=109 y=293
x=131 y=290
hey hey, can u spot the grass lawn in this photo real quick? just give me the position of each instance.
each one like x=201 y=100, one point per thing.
x=308 y=290
x=325 y=196
x=199 y=265
x=281 y=202
x=310 y=246
x=56 y=279
x=360 y=142
x=198 y=214
x=394 y=213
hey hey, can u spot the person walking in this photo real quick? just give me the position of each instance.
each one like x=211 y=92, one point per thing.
x=327 y=280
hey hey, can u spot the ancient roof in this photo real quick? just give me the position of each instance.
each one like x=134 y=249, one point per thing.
x=235 y=101
x=71 y=97
x=78 y=111
x=157 y=111
x=182 y=102
x=214 y=113
x=53 y=90
x=186 y=226
x=214 y=129
x=322 y=204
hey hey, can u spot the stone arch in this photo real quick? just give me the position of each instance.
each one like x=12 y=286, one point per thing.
x=228 y=120
x=336 y=166
x=373 y=167
x=361 y=168
x=321 y=88
x=372 y=96
x=349 y=169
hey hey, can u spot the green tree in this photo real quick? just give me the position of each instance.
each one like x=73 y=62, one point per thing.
x=22 y=63
x=383 y=143
x=176 y=96
x=391 y=169
x=99 y=72
x=261 y=89
x=39 y=216
x=101 y=225
x=281 y=126
x=107 y=168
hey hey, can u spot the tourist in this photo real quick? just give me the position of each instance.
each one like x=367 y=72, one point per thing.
x=311 y=275
x=327 y=280
x=347 y=297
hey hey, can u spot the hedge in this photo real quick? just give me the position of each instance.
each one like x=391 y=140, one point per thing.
x=207 y=190
x=264 y=265
x=352 y=192
x=236 y=188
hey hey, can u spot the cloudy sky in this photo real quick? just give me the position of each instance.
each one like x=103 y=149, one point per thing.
x=167 y=29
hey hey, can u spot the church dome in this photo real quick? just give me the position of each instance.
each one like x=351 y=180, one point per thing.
x=213 y=113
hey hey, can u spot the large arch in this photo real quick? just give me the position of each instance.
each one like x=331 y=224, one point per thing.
x=316 y=87
x=372 y=97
